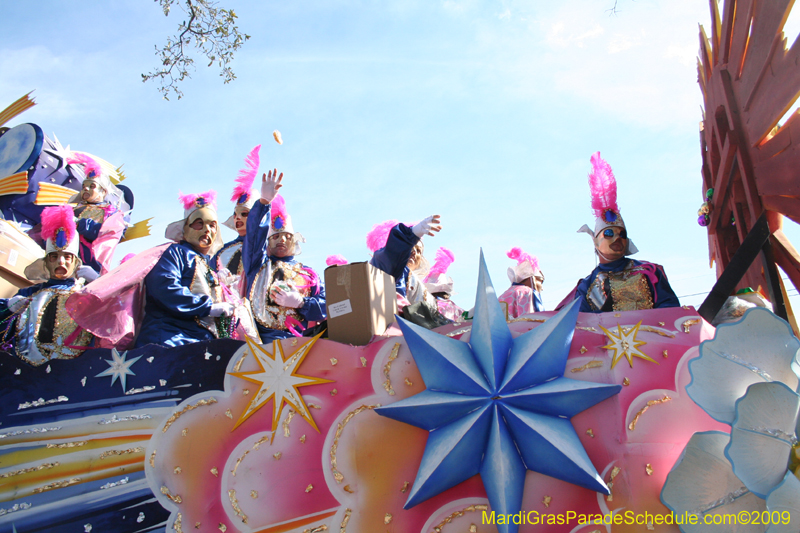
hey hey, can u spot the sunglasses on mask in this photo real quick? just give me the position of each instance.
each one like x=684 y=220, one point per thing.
x=610 y=233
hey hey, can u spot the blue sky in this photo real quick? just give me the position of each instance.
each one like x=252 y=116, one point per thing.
x=485 y=112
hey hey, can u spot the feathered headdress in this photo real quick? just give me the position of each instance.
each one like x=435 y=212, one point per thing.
x=437 y=279
x=527 y=265
x=379 y=234
x=59 y=229
x=192 y=202
x=521 y=256
x=603 y=187
x=243 y=191
x=281 y=222
x=335 y=260
x=443 y=259
x=91 y=168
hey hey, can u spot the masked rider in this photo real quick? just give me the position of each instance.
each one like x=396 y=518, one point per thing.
x=617 y=283
x=34 y=323
x=284 y=294
x=184 y=300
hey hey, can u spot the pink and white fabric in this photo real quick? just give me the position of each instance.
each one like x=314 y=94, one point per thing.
x=519 y=299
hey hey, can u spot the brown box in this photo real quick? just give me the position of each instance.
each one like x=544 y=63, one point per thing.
x=11 y=284
x=17 y=250
x=361 y=302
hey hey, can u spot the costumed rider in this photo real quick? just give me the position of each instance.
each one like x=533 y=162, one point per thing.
x=102 y=213
x=284 y=294
x=398 y=251
x=527 y=280
x=617 y=283
x=184 y=299
x=34 y=322
x=440 y=285
x=229 y=257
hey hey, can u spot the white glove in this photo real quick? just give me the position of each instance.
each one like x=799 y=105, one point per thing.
x=292 y=298
x=221 y=309
x=427 y=226
x=270 y=185
x=16 y=303
x=87 y=273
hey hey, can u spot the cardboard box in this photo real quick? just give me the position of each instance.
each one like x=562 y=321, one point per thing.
x=17 y=250
x=361 y=302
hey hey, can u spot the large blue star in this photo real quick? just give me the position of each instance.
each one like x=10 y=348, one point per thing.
x=498 y=406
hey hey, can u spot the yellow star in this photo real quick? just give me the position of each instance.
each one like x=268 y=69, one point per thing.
x=625 y=343
x=278 y=380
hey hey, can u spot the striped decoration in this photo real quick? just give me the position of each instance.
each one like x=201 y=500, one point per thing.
x=14 y=184
x=140 y=229
x=52 y=194
x=22 y=104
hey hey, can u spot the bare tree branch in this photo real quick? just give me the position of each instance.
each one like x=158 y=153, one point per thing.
x=213 y=32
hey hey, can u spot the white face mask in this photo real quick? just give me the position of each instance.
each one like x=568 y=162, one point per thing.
x=201 y=229
x=91 y=192
x=60 y=265
x=281 y=244
x=240 y=219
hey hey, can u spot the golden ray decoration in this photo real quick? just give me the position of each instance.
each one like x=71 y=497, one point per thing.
x=279 y=381
x=16 y=108
x=138 y=230
x=625 y=343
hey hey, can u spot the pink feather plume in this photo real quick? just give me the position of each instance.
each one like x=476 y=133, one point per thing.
x=278 y=208
x=444 y=258
x=188 y=200
x=89 y=164
x=379 y=234
x=55 y=218
x=335 y=260
x=521 y=256
x=603 y=186
x=244 y=182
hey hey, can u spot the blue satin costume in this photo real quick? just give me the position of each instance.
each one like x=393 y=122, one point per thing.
x=89 y=229
x=255 y=255
x=393 y=258
x=170 y=306
x=662 y=293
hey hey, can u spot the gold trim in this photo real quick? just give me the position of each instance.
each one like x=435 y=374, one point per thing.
x=337 y=475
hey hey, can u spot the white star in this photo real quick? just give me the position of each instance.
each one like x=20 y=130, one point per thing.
x=278 y=379
x=59 y=152
x=624 y=342
x=119 y=367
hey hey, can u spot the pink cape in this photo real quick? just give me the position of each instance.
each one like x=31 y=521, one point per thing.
x=111 y=306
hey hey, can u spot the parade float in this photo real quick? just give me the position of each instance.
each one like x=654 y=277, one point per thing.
x=649 y=420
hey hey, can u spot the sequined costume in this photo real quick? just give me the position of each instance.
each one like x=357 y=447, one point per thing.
x=43 y=330
x=521 y=300
x=625 y=285
x=230 y=257
x=179 y=293
x=262 y=271
x=100 y=226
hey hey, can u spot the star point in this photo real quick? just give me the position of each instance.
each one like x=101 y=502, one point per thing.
x=501 y=421
x=119 y=367
x=624 y=343
x=279 y=381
